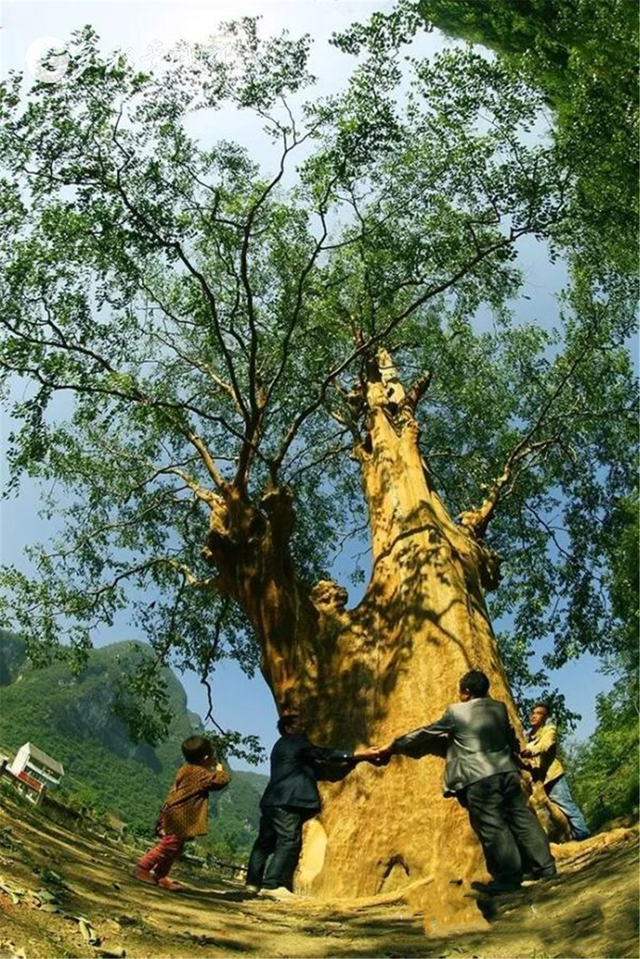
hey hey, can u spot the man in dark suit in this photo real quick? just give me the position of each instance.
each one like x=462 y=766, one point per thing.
x=289 y=800
x=482 y=773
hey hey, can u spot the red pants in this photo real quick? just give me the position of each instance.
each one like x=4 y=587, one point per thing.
x=161 y=858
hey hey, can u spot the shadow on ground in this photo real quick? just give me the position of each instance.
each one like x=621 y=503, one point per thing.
x=591 y=910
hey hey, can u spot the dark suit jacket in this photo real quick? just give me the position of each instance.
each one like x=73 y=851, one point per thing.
x=293 y=777
x=480 y=742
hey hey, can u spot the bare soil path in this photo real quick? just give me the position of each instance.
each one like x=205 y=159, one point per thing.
x=64 y=894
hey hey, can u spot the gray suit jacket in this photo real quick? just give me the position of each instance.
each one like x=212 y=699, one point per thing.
x=480 y=742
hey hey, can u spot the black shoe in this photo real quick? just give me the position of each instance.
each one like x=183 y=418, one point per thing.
x=496 y=888
x=550 y=873
x=531 y=879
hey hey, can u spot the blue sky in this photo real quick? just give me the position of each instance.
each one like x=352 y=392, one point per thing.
x=146 y=31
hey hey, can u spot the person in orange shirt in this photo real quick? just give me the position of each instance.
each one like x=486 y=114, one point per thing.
x=185 y=812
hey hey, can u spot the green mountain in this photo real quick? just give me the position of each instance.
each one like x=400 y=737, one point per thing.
x=71 y=718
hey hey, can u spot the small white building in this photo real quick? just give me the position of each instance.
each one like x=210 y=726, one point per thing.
x=31 y=763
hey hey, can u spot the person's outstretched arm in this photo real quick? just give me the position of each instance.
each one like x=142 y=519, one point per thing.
x=319 y=754
x=217 y=779
x=369 y=755
x=418 y=737
x=547 y=739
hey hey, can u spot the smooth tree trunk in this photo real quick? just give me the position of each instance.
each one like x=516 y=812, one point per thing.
x=366 y=675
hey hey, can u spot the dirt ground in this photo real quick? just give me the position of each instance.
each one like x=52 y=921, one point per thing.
x=69 y=895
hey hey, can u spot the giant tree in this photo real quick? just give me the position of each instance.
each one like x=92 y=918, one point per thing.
x=233 y=372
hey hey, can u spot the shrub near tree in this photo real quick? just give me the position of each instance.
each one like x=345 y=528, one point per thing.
x=234 y=372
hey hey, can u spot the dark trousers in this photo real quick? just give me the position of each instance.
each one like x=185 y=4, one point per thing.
x=161 y=858
x=279 y=837
x=512 y=838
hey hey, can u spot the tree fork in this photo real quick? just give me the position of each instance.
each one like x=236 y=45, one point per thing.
x=249 y=546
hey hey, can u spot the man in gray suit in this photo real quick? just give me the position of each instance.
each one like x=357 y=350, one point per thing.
x=482 y=773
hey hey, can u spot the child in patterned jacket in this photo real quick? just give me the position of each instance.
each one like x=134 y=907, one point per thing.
x=185 y=811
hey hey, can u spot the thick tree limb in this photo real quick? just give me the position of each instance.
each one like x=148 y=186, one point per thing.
x=417 y=390
x=209 y=463
x=476 y=521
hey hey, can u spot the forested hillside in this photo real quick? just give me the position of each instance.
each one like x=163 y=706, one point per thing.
x=71 y=717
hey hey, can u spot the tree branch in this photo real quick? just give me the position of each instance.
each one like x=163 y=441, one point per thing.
x=367 y=345
x=195 y=273
x=417 y=390
x=476 y=521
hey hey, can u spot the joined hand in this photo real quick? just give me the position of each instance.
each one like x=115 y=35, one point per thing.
x=377 y=755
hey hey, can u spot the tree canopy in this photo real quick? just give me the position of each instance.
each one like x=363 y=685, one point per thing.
x=582 y=56
x=189 y=320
